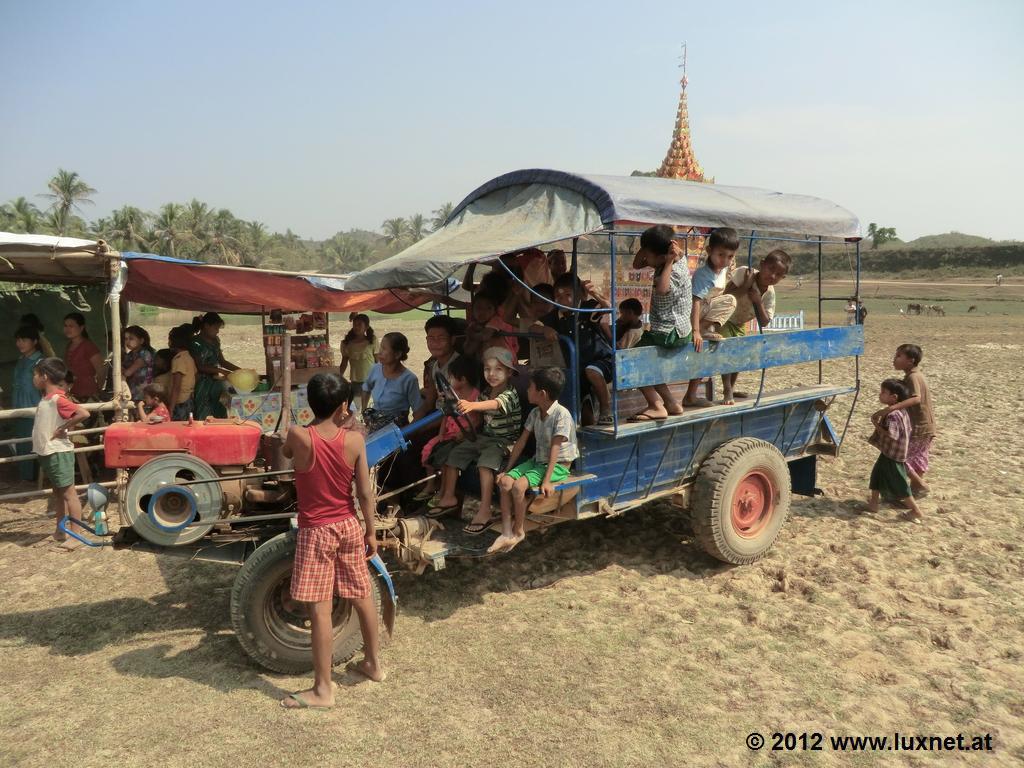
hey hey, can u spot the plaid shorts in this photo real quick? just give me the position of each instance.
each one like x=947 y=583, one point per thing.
x=330 y=560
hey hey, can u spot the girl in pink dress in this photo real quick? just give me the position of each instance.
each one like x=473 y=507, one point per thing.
x=463 y=372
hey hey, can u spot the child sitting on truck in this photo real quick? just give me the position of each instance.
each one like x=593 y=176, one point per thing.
x=755 y=297
x=671 y=303
x=629 y=326
x=553 y=427
x=152 y=408
x=595 y=356
x=463 y=373
x=502 y=416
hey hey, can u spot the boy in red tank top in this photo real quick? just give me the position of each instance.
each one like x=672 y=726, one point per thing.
x=332 y=547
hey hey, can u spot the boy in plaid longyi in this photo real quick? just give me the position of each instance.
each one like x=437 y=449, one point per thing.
x=332 y=547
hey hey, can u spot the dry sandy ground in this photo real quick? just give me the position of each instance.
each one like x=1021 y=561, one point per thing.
x=604 y=643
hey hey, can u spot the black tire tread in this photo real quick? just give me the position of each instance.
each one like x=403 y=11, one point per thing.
x=266 y=555
x=708 y=496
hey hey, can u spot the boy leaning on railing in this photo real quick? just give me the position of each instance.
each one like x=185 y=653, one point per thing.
x=671 y=304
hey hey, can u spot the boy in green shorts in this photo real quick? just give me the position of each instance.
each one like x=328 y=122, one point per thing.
x=555 y=431
x=671 y=304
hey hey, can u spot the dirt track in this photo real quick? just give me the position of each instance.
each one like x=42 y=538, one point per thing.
x=605 y=643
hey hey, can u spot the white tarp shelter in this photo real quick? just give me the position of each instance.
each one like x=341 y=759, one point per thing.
x=534 y=207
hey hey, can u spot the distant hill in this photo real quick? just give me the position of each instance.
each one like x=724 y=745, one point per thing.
x=947 y=240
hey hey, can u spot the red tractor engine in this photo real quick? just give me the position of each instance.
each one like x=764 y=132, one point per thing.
x=184 y=477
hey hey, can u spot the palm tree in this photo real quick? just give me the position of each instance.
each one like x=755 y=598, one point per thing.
x=67 y=190
x=198 y=216
x=26 y=216
x=256 y=242
x=396 y=231
x=6 y=217
x=125 y=229
x=344 y=254
x=170 y=228
x=441 y=216
x=224 y=238
x=417 y=228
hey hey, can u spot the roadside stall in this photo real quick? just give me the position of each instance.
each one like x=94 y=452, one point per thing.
x=295 y=312
x=47 y=275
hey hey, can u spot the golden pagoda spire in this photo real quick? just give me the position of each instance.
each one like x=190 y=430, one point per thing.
x=680 y=162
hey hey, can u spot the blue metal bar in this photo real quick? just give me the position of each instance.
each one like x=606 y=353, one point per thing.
x=64 y=527
x=807 y=412
x=695 y=235
x=625 y=469
x=760 y=328
x=664 y=453
x=821 y=370
x=645 y=366
x=691 y=464
x=613 y=299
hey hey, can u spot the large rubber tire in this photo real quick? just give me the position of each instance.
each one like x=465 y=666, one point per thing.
x=740 y=500
x=271 y=627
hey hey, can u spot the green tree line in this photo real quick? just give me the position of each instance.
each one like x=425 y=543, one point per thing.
x=198 y=231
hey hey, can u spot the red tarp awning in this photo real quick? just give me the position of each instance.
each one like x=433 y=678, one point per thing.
x=178 y=284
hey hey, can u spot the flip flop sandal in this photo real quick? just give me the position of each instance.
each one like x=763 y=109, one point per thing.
x=475 y=529
x=435 y=512
x=302 y=703
x=642 y=417
x=424 y=496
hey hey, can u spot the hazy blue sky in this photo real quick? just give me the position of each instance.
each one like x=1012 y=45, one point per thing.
x=326 y=116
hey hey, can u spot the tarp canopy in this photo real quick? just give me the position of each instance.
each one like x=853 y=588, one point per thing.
x=53 y=260
x=195 y=286
x=534 y=207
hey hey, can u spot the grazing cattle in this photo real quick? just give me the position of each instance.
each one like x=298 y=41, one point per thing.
x=914 y=309
x=999 y=279
x=934 y=309
x=972 y=308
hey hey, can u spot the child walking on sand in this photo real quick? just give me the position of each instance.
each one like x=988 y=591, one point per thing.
x=892 y=437
x=922 y=418
x=553 y=427
x=152 y=408
x=56 y=415
x=331 y=547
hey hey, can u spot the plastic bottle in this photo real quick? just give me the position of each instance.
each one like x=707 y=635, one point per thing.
x=99 y=522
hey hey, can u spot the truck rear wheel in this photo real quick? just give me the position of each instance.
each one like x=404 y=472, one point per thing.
x=274 y=629
x=740 y=500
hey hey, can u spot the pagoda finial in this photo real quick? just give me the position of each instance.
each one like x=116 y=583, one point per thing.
x=680 y=162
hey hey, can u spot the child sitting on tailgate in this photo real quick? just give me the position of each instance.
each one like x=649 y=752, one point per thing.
x=552 y=425
x=463 y=375
x=503 y=415
x=755 y=297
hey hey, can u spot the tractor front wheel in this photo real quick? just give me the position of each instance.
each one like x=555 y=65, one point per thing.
x=274 y=629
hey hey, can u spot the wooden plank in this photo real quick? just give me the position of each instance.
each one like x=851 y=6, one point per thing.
x=643 y=366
